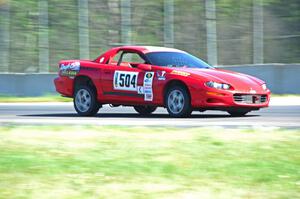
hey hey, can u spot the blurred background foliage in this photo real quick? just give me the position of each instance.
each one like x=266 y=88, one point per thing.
x=234 y=23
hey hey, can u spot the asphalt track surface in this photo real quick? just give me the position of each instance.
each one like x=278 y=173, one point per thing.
x=279 y=115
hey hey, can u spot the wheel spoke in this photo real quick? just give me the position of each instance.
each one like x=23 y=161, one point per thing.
x=171 y=106
x=78 y=99
x=84 y=106
x=172 y=97
x=180 y=97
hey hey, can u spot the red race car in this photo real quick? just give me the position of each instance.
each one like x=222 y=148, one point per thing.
x=147 y=77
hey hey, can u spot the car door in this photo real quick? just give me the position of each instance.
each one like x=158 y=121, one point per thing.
x=122 y=81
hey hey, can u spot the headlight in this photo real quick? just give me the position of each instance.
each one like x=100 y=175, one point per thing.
x=217 y=85
x=264 y=87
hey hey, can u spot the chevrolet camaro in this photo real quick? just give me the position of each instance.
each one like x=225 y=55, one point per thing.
x=147 y=77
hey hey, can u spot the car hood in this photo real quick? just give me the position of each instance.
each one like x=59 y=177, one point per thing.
x=240 y=82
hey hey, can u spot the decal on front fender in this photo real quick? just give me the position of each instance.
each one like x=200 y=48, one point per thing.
x=177 y=72
x=148 y=80
x=125 y=80
x=161 y=75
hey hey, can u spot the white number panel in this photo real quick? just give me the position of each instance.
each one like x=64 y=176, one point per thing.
x=124 y=80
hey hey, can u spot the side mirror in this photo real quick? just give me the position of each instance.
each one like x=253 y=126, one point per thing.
x=144 y=67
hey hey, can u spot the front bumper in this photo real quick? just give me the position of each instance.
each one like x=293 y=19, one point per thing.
x=222 y=99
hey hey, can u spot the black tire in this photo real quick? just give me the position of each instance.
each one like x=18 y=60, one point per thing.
x=186 y=109
x=238 y=113
x=145 y=110
x=91 y=108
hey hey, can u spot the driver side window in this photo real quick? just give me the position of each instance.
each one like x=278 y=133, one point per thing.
x=123 y=58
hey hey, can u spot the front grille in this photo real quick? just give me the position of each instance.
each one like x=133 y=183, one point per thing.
x=263 y=98
x=250 y=99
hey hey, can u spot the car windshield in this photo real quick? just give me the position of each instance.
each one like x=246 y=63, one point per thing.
x=176 y=59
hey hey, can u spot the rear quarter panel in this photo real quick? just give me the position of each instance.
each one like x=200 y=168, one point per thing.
x=65 y=82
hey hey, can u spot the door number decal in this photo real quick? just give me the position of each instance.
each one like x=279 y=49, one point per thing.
x=124 y=80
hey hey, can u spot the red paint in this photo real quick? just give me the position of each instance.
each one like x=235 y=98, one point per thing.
x=202 y=96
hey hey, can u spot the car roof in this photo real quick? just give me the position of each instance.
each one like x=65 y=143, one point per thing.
x=149 y=49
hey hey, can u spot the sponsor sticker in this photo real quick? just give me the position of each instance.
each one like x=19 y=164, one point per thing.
x=148 y=97
x=148 y=91
x=149 y=75
x=161 y=75
x=70 y=69
x=140 y=90
x=182 y=73
x=148 y=80
x=101 y=60
x=124 y=80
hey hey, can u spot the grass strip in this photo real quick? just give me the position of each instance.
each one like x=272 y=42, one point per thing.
x=142 y=162
x=45 y=98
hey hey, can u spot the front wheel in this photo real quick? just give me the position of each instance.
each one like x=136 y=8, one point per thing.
x=85 y=102
x=145 y=110
x=177 y=101
x=238 y=113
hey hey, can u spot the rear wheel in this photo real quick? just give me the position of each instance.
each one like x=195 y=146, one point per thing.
x=145 y=110
x=85 y=102
x=177 y=101
x=238 y=113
